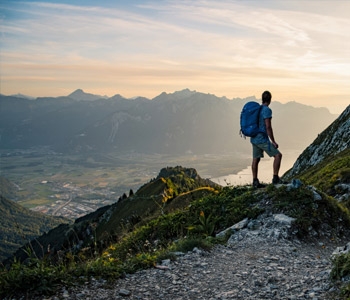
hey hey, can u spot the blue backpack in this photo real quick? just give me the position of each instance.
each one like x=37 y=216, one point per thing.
x=250 y=118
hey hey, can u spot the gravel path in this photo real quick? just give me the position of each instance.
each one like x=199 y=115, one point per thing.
x=249 y=269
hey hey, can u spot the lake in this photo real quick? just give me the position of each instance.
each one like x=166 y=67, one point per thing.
x=265 y=170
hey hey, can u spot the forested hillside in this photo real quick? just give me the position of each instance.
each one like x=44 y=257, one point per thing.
x=19 y=225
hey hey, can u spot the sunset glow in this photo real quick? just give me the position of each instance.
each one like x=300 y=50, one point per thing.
x=299 y=50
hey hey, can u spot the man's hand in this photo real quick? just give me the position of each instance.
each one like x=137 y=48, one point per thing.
x=275 y=144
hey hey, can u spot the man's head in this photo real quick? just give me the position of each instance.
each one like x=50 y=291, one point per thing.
x=266 y=97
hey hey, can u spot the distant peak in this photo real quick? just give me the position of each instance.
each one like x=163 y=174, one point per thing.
x=250 y=98
x=19 y=95
x=76 y=92
x=80 y=95
x=185 y=92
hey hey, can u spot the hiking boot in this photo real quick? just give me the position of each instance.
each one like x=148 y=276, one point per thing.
x=277 y=180
x=257 y=184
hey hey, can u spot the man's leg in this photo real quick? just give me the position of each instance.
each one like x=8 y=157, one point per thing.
x=255 y=165
x=277 y=164
x=256 y=182
x=276 y=167
x=257 y=154
x=273 y=152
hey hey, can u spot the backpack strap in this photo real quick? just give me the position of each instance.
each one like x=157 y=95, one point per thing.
x=260 y=108
x=265 y=133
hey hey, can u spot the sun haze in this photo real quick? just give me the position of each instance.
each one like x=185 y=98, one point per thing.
x=300 y=50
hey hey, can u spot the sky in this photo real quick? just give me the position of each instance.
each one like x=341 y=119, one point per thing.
x=297 y=49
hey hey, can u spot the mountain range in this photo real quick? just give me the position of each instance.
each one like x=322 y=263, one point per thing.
x=183 y=122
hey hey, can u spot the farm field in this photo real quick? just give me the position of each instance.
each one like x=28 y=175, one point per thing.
x=59 y=184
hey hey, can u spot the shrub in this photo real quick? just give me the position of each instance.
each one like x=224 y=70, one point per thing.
x=35 y=277
x=341 y=271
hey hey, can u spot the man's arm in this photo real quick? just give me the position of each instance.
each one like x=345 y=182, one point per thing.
x=269 y=131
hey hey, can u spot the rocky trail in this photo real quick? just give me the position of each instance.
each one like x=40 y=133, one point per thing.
x=260 y=261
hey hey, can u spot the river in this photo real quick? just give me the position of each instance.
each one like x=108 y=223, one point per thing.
x=265 y=170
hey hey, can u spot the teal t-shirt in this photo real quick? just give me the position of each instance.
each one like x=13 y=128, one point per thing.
x=261 y=138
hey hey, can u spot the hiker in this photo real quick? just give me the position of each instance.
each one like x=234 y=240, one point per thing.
x=265 y=142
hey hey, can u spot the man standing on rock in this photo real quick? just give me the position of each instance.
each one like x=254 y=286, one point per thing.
x=265 y=142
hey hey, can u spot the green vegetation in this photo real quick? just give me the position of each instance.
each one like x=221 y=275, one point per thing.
x=341 y=270
x=328 y=176
x=6 y=187
x=158 y=235
x=176 y=211
x=300 y=204
x=19 y=225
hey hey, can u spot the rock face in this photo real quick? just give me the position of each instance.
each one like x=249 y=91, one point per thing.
x=331 y=141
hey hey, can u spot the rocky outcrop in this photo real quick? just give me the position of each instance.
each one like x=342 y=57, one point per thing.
x=331 y=141
x=174 y=171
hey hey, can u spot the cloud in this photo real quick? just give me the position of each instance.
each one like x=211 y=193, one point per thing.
x=178 y=32
x=216 y=45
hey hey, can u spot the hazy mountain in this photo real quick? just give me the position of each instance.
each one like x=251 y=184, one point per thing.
x=177 y=123
x=80 y=95
x=23 y=96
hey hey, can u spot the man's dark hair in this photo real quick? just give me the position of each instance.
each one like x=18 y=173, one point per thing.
x=266 y=97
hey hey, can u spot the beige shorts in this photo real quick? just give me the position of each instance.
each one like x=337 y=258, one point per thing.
x=259 y=149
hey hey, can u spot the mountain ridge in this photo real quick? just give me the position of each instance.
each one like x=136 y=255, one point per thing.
x=334 y=139
x=184 y=122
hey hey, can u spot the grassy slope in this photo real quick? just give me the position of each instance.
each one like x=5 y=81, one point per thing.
x=327 y=176
x=329 y=173
x=148 y=225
